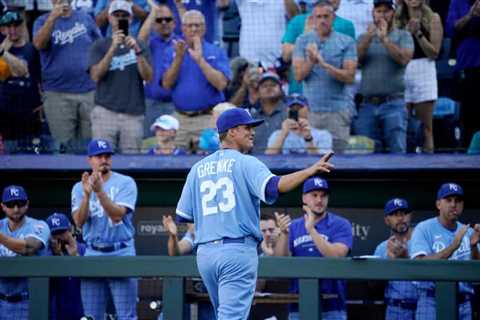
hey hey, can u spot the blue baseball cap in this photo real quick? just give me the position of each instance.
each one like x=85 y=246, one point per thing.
x=14 y=193
x=58 y=223
x=99 y=146
x=269 y=76
x=315 y=183
x=449 y=189
x=235 y=117
x=396 y=204
x=296 y=98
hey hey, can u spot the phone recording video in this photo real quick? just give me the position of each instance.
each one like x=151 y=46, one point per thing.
x=293 y=114
x=123 y=26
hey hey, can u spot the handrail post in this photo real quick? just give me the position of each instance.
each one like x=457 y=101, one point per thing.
x=446 y=298
x=173 y=298
x=309 y=304
x=39 y=298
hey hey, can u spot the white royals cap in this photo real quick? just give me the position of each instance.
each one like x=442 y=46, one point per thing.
x=165 y=122
x=120 y=5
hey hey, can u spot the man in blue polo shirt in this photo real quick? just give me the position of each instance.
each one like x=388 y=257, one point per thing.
x=197 y=72
x=318 y=233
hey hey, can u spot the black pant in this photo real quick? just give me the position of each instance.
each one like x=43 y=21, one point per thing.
x=470 y=104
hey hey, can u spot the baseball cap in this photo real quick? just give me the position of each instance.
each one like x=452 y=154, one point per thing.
x=99 y=146
x=166 y=122
x=269 y=76
x=315 y=183
x=14 y=193
x=395 y=204
x=58 y=222
x=235 y=117
x=11 y=17
x=120 y=5
x=388 y=3
x=449 y=189
x=296 y=98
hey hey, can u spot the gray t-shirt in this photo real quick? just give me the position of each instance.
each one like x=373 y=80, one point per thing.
x=381 y=75
x=324 y=92
x=272 y=122
x=121 y=89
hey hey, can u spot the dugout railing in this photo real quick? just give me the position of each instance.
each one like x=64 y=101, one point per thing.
x=174 y=271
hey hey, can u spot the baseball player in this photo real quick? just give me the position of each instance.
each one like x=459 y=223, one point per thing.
x=20 y=235
x=103 y=204
x=444 y=237
x=400 y=296
x=222 y=196
x=319 y=233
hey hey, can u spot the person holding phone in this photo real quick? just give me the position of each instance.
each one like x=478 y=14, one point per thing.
x=296 y=134
x=119 y=65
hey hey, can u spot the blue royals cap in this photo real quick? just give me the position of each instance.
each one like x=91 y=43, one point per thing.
x=99 y=146
x=14 y=193
x=396 y=204
x=235 y=117
x=449 y=189
x=296 y=98
x=58 y=222
x=315 y=183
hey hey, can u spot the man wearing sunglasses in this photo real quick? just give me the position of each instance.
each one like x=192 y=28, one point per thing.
x=20 y=235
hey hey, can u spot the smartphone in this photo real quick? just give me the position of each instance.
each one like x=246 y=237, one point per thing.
x=123 y=26
x=293 y=114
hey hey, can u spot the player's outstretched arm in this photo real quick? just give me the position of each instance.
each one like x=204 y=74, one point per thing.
x=291 y=181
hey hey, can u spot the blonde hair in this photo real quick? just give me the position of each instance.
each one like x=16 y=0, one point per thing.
x=402 y=17
x=222 y=107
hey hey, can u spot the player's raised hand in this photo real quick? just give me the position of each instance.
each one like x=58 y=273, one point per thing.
x=283 y=221
x=309 y=218
x=86 y=185
x=475 y=238
x=457 y=240
x=169 y=225
x=70 y=244
x=322 y=165
x=96 y=181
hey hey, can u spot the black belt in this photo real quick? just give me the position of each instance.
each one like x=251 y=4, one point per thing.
x=195 y=113
x=231 y=240
x=461 y=297
x=408 y=304
x=108 y=248
x=378 y=100
x=14 y=298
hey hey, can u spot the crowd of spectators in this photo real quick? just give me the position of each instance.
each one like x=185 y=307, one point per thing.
x=73 y=70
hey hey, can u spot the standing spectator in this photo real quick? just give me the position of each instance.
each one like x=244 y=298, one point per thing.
x=103 y=204
x=445 y=238
x=139 y=13
x=119 y=65
x=270 y=108
x=20 y=101
x=296 y=135
x=262 y=28
x=63 y=37
x=197 y=72
x=270 y=233
x=421 y=90
x=157 y=31
x=463 y=25
x=231 y=24
x=165 y=128
x=65 y=298
x=400 y=296
x=239 y=67
x=20 y=235
x=327 y=59
x=383 y=52
x=246 y=93
x=359 y=12
x=319 y=233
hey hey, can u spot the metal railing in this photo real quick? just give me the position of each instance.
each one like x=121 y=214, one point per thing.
x=174 y=270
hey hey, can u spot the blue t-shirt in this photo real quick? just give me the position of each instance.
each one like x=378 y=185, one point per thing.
x=31 y=228
x=430 y=237
x=334 y=229
x=192 y=91
x=65 y=59
x=396 y=289
x=99 y=229
x=222 y=196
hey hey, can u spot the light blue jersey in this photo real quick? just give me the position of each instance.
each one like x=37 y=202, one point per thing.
x=430 y=237
x=99 y=229
x=222 y=196
x=31 y=228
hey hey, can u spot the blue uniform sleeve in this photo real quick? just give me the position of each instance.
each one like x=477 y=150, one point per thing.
x=257 y=176
x=100 y=5
x=343 y=234
x=39 y=231
x=420 y=243
x=127 y=197
x=185 y=204
x=380 y=250
x=77 y=196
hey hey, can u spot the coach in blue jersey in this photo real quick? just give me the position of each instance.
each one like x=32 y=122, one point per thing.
x=444 y=237
x=319 y=233
x=222 y=197
x=103 y=203
x=19 y=236
x=400 y=296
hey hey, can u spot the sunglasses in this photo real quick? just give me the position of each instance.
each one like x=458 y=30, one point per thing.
x=16 y=203
x=164 y=20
